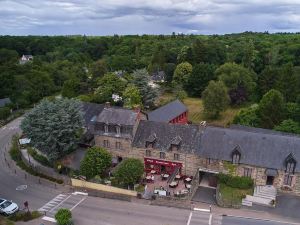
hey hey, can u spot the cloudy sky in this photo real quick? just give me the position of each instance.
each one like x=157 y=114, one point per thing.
x=107 y=17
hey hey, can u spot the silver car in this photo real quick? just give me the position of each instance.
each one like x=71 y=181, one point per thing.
x=8 y=207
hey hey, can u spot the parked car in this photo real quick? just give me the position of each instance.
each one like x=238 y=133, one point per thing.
x=8 y=207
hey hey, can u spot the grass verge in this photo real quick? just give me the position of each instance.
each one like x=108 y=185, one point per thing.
x=24 y=216
x=232 y=195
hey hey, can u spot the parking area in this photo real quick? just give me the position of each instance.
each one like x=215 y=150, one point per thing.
x=205 y=195
x=67 y=201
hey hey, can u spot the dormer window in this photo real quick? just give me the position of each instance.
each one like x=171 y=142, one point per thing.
x=118 y=130
x=236 y=155
x=290 y=164
x=106 y=128
x=150 y=141
x=175 y=143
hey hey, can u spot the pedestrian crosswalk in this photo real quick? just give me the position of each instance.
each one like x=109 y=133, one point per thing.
x=66 y=201
x=54 y=202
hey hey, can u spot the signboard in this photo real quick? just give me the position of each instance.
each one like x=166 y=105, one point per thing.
x=161 y=162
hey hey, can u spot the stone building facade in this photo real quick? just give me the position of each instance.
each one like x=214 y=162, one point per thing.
x=269 y=158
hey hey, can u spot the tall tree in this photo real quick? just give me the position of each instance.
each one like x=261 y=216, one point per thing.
x=215 y=98
x=132 y=97
x=99 y=68
x=182 y=73
x=95 y=162
x=71 y=88
x=108 y=85
x=239 y=81
x=271 y=109
x=141 y=80
x=54 y=127
x=199 y=79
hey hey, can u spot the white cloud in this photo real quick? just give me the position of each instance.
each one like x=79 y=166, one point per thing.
x=99 y=17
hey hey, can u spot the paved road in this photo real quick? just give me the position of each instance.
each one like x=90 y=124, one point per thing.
x=228 y=220
x=36 y=194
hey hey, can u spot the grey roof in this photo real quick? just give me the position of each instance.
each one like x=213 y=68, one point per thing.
x=166 y=134
x=259 y=147
x=90 y=110
x=117 y=116
x=167 y=112
x=4 y=101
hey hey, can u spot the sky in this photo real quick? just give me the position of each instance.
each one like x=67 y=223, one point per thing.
x=108 y=17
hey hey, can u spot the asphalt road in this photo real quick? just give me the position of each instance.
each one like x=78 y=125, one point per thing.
x=36 y=194
x=228 y=220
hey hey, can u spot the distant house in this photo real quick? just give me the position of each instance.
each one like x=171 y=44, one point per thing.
x=173 y=112
x=25 y=58
x=4 y=102
x=158 y=76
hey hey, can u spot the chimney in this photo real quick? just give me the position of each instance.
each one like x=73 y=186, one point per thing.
x=107 y=105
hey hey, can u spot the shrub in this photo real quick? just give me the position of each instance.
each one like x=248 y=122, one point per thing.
x=129 y=171
x=4 y=113
x=40 y=158
x=235 y=181
x=25 y=216
x=16 y=155
x=95 y=162
x=63 y=217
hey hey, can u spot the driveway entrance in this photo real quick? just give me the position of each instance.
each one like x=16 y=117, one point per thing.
x=207 y=178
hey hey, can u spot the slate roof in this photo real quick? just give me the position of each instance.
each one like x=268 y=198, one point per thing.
x=167 y=112
x=90 y=110
x=259 y=147
x=117 y=116
x=166 y=134
x=4 y=101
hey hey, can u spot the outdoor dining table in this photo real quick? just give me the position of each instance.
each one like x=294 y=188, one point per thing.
x=188 y=186
x=148 y=177
x=188 y=180
x=153 y=171
x=177 y=177
x=166 y=175
x=173 y=184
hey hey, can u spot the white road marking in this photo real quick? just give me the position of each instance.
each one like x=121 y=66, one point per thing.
x=210 y=219
x=201 y=210
x=60 y=203
x=49 y=219
x=77 y=204
x=190 y=217
x=53 y=202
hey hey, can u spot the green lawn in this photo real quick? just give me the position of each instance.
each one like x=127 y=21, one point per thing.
x=5 y=221
x=196 y=114
x=233 y=195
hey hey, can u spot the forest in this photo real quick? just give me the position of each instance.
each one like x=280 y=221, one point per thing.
x=257 y=72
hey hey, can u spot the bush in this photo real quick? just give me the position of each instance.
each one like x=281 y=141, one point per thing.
x=16 y=155
x=235 y=181
x=95 y=162
x=4 y=113
x=63 y=217
x=40 y=158
x=25 y=216
x=129 y=171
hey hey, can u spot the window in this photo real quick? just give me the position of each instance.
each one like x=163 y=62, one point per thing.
x=290 y=167
x=118 y=130
x=105 y=128
x=176 y=156
x=118 y=145
x=106 y=143
x=236 y=155
x=247 y=172
x=148 y=152
x=149 y=144
x=174 y=147
x=162 y=155
x=288 y=179
x=290 y=164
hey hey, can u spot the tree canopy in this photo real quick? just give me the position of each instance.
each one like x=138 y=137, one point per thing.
x=95 y=162
x=129 y=171
x=215 y=98
x=54 y=127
